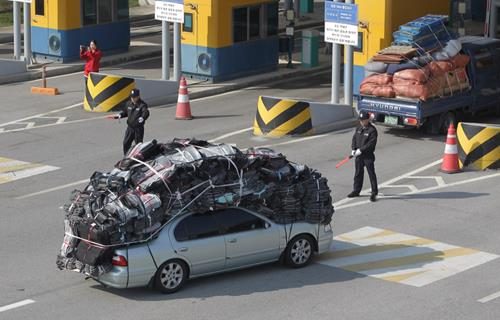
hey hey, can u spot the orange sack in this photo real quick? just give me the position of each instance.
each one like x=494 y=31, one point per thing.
x=460 y=60
x=367 y=88
x=418 y=75
x=384 y=91
x=381 y=79
x=439 y=68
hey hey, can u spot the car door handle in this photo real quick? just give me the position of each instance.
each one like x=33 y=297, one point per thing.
x=232 y=240
x=183 y=249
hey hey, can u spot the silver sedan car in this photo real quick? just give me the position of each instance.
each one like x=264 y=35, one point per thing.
x=195 y=245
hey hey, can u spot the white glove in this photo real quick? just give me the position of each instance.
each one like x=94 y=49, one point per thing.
x=118 y=116
x=357 y=153
x=141 y=119
x=353 y=152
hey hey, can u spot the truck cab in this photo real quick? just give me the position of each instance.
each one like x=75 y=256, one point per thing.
x=436 y=114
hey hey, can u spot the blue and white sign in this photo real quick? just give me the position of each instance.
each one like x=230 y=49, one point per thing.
x=341 y=23
x=169 y=10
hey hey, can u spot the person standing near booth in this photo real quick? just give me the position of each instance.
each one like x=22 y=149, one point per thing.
x=92 y=55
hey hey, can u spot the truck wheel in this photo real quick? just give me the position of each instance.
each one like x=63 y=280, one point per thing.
x=171 y=276
x=299 y=251
x=448 y=118
x=431 y=126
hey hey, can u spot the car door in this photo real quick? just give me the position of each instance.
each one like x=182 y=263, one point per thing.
x=198 y=239
x=249 y=238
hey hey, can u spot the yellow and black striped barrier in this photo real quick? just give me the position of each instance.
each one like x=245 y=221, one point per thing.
x=478 y=145
x=105 y=93
x=282 y=117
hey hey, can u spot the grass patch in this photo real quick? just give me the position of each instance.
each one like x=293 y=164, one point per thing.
x=133 y=3
x=5 y=19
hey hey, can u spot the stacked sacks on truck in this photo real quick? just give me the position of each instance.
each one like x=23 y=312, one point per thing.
x=415 y=70
x=158 y=181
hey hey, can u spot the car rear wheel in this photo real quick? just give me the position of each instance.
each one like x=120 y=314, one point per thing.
x=171 y=276
x=299 y=251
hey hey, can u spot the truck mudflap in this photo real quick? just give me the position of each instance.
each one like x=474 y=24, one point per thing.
x=391 y=112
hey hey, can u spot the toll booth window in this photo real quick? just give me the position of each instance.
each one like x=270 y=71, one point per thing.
x=40 y=7
x=123 y=12
x=105 y=13
x=272 y=19
x=89 y=12
x=240 y=24
x=254 y=22
x=188 y=22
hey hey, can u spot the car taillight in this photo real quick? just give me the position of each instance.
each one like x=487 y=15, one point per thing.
x=119 y=261
x=410 y=121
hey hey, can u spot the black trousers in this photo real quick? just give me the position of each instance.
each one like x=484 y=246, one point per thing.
x=360 y=163
x=131 y=135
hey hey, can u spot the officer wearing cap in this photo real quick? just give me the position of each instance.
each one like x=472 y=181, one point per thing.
x=137 y=113
x=363 y=148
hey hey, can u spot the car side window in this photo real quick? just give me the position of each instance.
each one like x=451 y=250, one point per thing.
x=235 y=220
x=196 y=226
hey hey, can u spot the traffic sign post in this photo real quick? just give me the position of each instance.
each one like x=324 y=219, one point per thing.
x=170 y=11
x=341 y=28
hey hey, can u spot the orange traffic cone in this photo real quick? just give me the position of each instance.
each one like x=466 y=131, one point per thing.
x=450 y=158
x=183 y=111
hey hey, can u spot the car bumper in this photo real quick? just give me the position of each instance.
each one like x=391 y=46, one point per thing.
x=325 y=242
x=116 y=278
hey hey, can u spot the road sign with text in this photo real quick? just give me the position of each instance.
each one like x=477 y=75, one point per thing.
x=341 y=23
x=169 y=10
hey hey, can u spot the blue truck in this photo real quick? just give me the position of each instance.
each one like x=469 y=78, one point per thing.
x=436 y=114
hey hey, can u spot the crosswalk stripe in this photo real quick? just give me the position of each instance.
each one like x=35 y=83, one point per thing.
x=401 y=258
x=11 y=170
x=18 y=167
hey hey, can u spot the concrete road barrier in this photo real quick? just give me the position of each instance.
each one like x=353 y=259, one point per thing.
x=104 y=93
x=279 y=117
x=478 y=145
x=10 y=67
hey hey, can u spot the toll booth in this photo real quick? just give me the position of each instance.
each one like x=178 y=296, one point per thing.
x=225 y=39
x=379 y=19
x=59 y=27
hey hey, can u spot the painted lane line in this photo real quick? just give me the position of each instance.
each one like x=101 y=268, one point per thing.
x=294 y=141
x=53 y=189
x=54 y=124
x=16 y=305
x=492 y=296
x=439 y=180
x=344 y=206
x=230 y=134
x=43 y=114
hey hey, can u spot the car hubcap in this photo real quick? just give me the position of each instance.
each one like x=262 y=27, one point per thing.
x=171 y=275
x=301 y=251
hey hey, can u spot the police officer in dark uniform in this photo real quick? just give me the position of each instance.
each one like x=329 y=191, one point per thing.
x=137 y=113
x=363 y=148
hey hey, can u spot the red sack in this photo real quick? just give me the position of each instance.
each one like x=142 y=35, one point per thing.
x=418 y=75
x=460 y=60
x=381 y=79
x=419 y=91
x=367 y=88
x=438 y=68
x=384 y=91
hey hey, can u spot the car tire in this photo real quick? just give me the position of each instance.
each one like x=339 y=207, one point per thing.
x=299 y=251
x=171 y=276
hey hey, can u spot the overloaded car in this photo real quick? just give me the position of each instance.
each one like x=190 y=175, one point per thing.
x=169 y=212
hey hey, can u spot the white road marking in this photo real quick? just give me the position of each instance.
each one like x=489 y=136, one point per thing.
x=439 y=180
x=16 y=305
x=349 y=205
x=294 y=141
x=42 y=114
x=401 y=258
x=11 y=169
x=53 y=189
x=492 y=296
x=230 y=134
x=54 y=124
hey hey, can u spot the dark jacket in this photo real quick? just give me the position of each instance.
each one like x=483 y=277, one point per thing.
x=365 y=139
x=134 y=112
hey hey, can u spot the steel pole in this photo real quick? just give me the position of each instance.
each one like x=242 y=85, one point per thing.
x=17 y=29
x=493 y=19
x=27 y=33
x=335 y=70
x=165 y=49
x=177 y=51
x=348 y=70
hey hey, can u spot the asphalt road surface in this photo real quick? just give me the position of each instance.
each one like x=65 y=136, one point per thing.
x=428 y=249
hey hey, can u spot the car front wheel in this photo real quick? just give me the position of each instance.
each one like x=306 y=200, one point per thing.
x=299 y=251
x=171 y=276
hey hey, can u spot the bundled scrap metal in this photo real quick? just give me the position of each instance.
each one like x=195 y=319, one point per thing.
x=157 y=181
